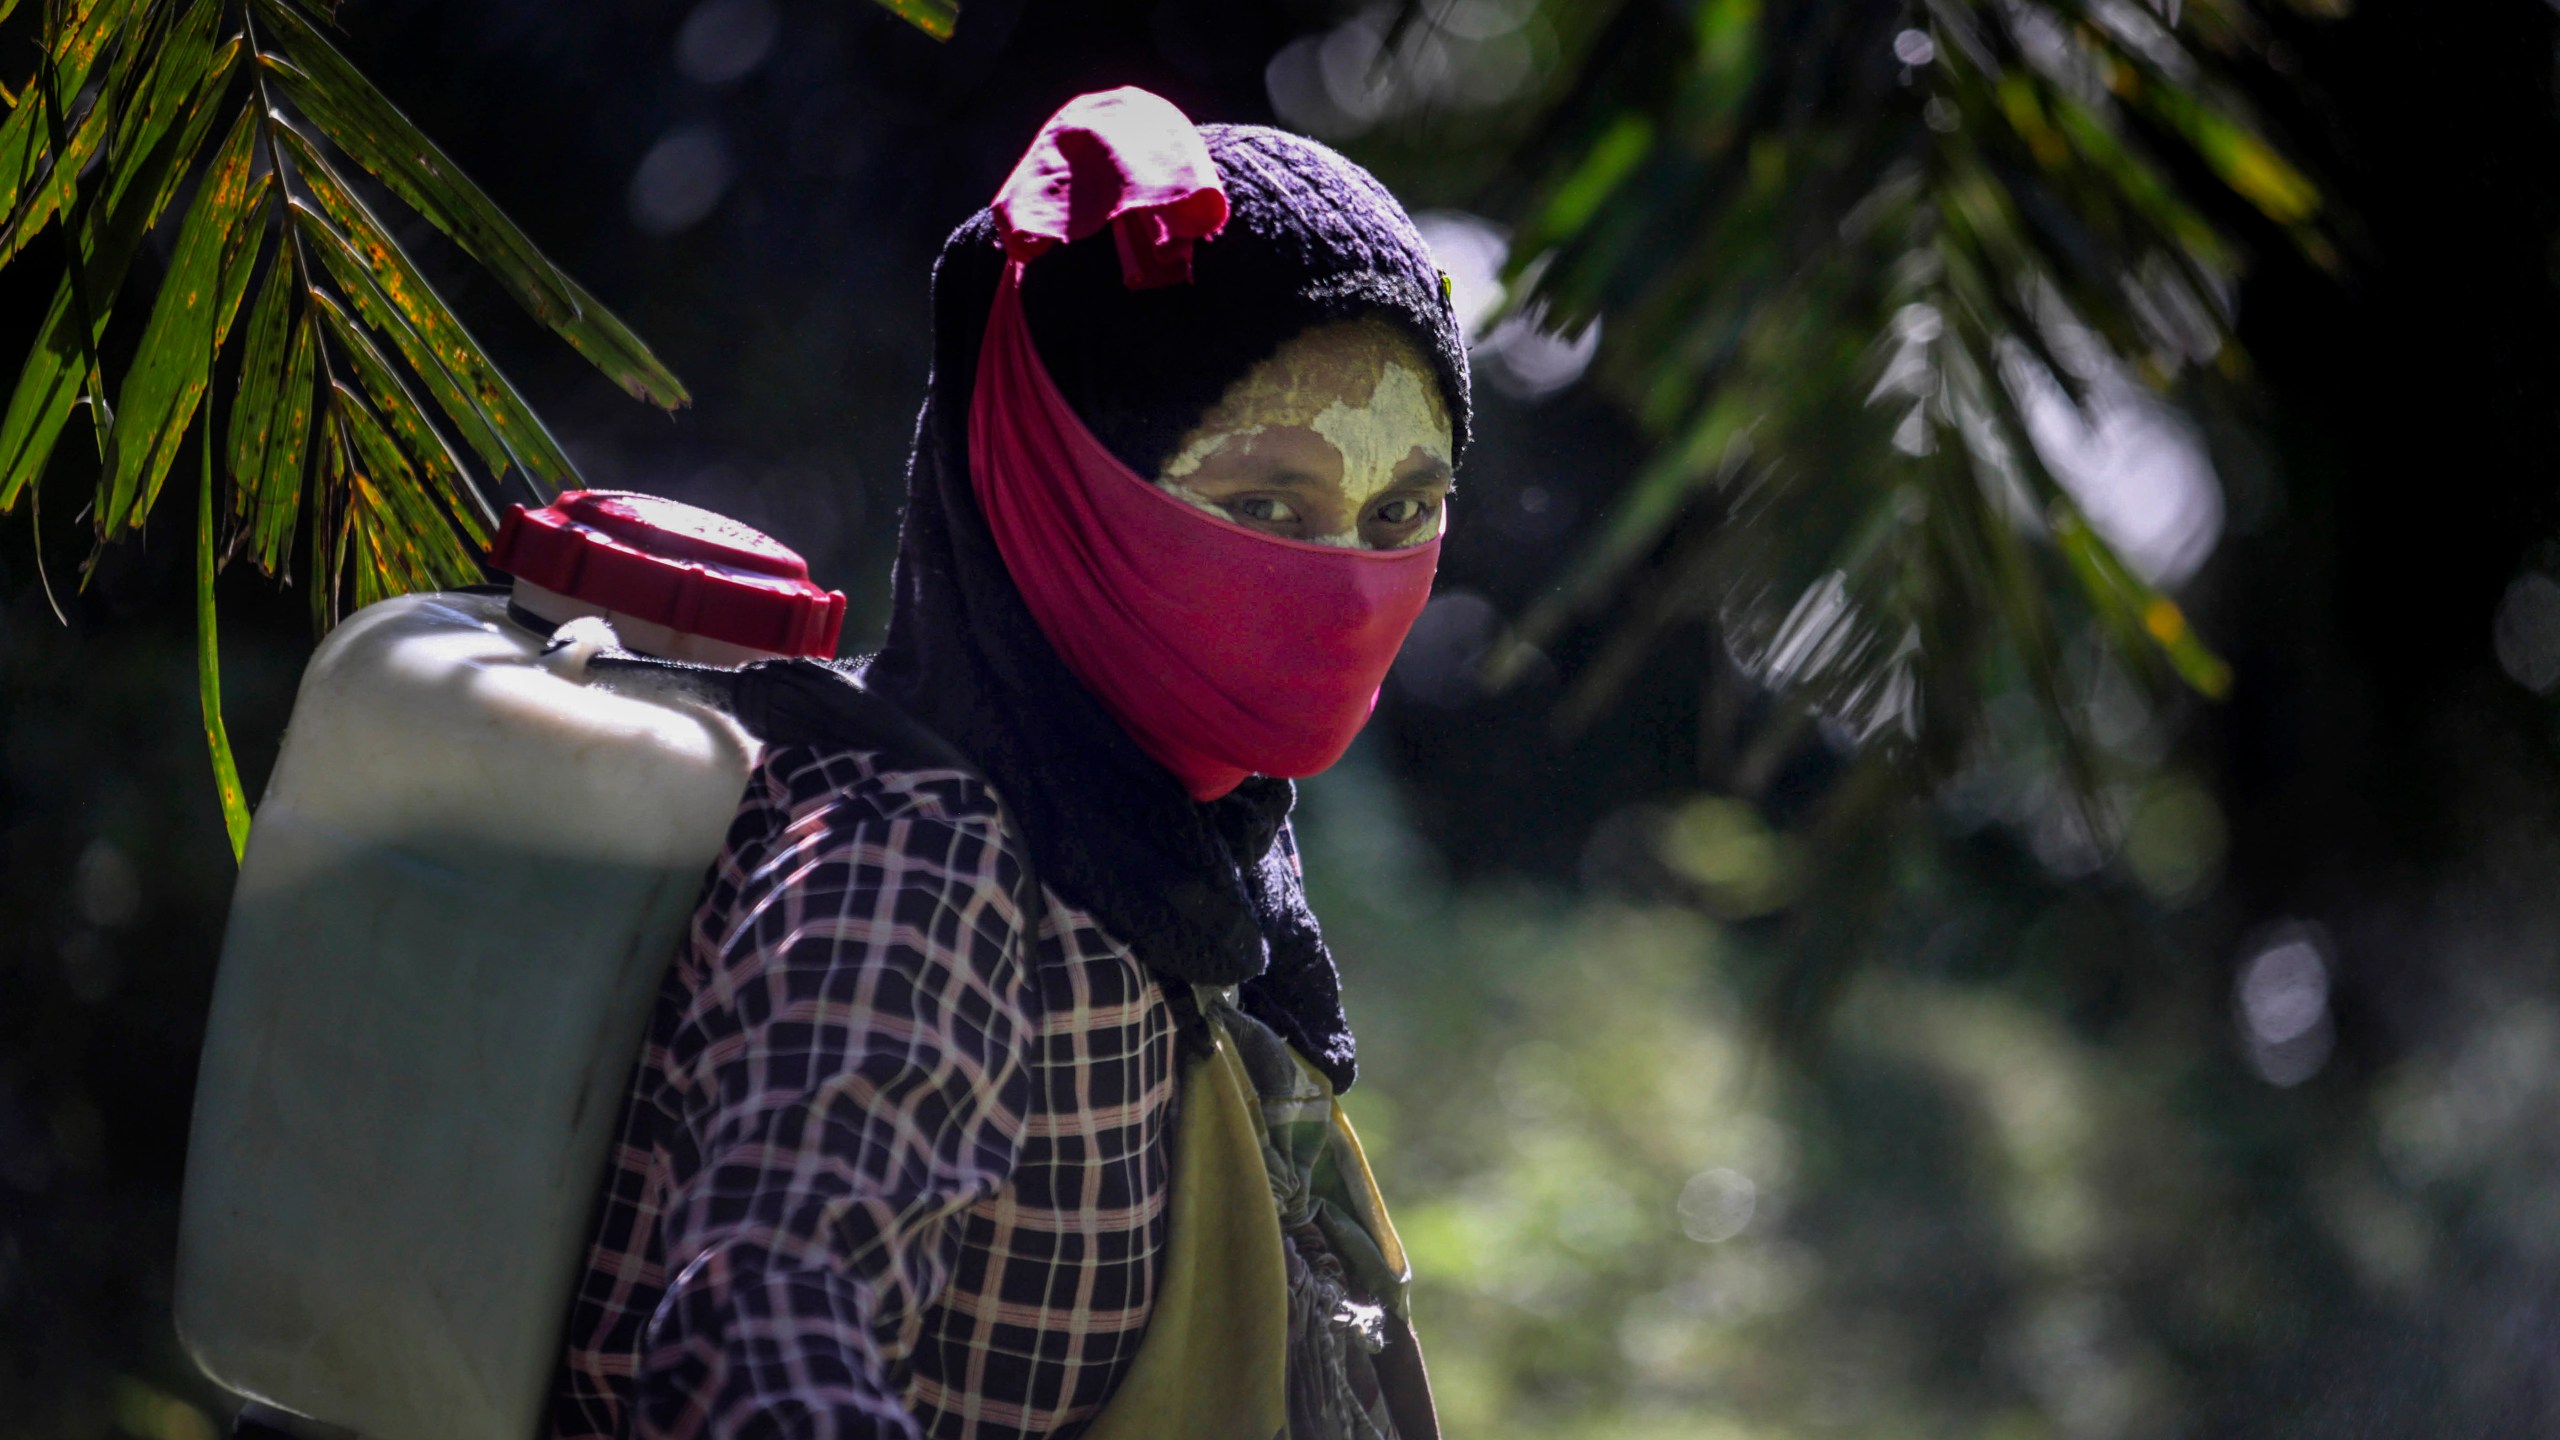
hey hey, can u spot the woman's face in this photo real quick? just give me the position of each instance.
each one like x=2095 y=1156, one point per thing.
x=1341 y=438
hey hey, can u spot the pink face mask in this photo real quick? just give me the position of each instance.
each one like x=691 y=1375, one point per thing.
x=1223 y=651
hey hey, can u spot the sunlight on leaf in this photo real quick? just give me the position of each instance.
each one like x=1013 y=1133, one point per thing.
x=346 y=449
x=26 y=150
x=261 y=381
x=162 y=388
x=226 y=774
x=419 y=443
x=49 y=384
x=367 y=263
x=279 y=494
x=1817 y=290
x=937 y=18
x=2134 y=609
x=1614 y=157
x=367 y=127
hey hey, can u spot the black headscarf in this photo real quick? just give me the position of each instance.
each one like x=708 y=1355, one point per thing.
x=1199 y=892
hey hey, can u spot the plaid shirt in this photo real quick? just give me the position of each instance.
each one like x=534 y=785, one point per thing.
x=875 y=1176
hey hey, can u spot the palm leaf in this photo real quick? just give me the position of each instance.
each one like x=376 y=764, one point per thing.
x=49 y=388
x=29 y=180
x=277 y=497
x=408 y=540
x=156 y=57
x=380 y=278
x=162 y=52
x=325 y=516
x=49 y=381
x=1741 y=188
x=418 y=442
x=261 y=381
x=937 y=18
x=356 y=446
x=359 y=121
x=160 y=392
x=488 y=413
x=226 y=774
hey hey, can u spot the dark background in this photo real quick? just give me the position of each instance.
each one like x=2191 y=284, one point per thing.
x=2029 y=1175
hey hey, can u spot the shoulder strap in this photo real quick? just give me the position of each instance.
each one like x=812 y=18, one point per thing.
x=815 y=702
x=812 y=702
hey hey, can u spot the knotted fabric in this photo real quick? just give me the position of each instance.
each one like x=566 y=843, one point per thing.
x=1123 y=158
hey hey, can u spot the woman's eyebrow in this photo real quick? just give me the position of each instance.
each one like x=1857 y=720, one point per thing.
x=1251 y=479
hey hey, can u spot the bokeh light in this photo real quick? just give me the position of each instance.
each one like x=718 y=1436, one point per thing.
x=680 y=181
x=724 y=40
x=2526 y=631
x=1516 y=350
x=2281 y=1000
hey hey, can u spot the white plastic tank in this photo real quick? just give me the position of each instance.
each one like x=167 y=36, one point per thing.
x=462 y=887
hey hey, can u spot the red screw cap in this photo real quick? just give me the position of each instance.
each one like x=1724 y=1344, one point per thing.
x=687 y=569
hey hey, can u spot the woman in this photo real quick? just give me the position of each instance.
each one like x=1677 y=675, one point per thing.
x=903 y=1159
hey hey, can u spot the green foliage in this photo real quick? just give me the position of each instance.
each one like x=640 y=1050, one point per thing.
x=1840 y=250
x=226 y=774
x=937 y=18
x=1976 y=1209
x=363 y=443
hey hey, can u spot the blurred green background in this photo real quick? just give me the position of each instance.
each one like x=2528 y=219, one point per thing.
x=1866 y=968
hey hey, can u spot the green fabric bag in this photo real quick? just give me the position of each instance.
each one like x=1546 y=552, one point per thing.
x=1282 y=1311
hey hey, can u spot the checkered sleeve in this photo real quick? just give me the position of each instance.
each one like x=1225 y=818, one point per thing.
x=851 y=1072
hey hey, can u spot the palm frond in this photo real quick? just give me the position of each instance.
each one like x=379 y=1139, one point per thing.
x=217 y=737
x=1844 y=254
x=344 y=107
x=56 y=372
x=937 y=18
x=366 y=419
x=384 y=286
x=157 y=401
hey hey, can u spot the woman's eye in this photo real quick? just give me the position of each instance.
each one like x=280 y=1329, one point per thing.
x=1401 y=512
x=1264 y=508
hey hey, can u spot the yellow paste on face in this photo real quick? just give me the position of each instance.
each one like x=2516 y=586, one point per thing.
x=1360 y=385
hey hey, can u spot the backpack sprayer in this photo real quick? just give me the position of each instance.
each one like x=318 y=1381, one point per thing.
x=473 y=862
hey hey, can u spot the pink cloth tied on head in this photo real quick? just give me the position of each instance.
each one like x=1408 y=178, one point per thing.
x=1124 y=158
x=1223 y=651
